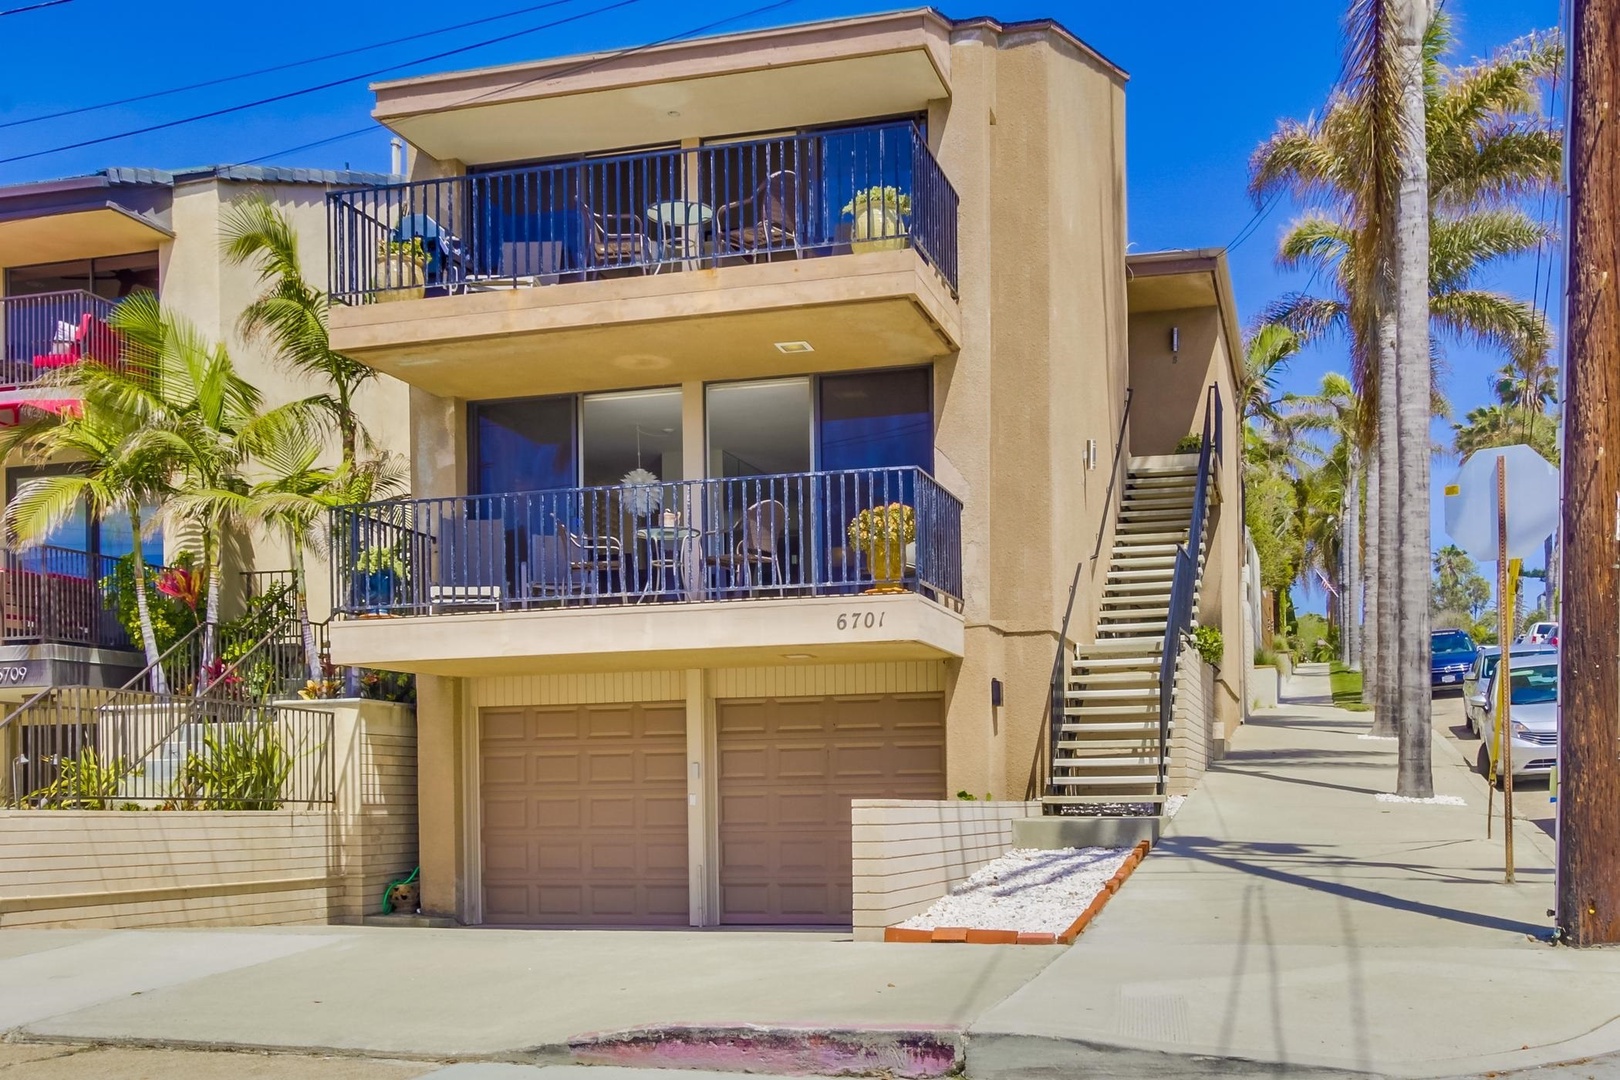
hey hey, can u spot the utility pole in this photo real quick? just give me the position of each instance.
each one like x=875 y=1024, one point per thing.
x=1589 y=754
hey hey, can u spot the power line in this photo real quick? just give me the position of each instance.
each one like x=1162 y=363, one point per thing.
x=314 y=89
x=575 y=69
x=35 y=7
x=272 y=70
x=1260 y=214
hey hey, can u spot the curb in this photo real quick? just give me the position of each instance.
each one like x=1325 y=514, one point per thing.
x=961 y=935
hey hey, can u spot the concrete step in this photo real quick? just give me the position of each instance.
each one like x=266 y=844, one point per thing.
x=1145 y=744
x=1145 y=759
x=1129 y=537
x=1105 y=781
x=1148 y=604
x=1135 y=642
x=1158 y=465
x=1115 y=727
x=1141 y=562
x=1096 y=800
x=1127 y=695
x=1138 y=629
x=1144 y=677
x=1150 y=575
x=1112 y=650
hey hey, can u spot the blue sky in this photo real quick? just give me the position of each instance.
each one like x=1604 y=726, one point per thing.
x=1208 y=82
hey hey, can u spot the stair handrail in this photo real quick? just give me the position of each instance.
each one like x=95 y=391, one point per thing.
x=1054 y=702
x=165 y=655
x=1184 y=579
x=1113 y=477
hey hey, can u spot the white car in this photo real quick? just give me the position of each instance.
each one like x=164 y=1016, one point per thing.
x=1541 y=633
x=1476 y=707
x=1534 y=736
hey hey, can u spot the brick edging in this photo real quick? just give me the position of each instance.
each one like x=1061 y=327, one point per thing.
x=962 y=935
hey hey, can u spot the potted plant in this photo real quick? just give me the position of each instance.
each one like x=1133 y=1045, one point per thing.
x=880 y=213
x=383 y=569
x=401 y=266
x=883 y=533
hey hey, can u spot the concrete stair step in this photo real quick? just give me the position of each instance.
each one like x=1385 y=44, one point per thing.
x=1145 y=744
x=1140 y=677
x=1145 y=759
x=1115 y=727
x=1097 y=800
x=1136 y=642
x=1134 y=605
x=1140 y=629
x=1146 y=575
x=1105 y=781
x=1136 y=538
x=1133 y=695
x=1112 y=651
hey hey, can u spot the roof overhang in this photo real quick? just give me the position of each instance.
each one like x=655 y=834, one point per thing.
x=1177 y=280
x=759 y=81
x=79 y=233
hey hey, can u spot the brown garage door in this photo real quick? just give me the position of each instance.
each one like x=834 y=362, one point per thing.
x=788 y=770
x=585 y=815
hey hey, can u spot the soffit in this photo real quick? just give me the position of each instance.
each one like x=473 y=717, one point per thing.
x=81 y=234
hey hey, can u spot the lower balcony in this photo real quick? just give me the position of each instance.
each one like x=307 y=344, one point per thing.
x=58 y=622
x=823 y=566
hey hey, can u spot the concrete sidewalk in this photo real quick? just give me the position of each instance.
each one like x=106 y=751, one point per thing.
x=1291 y=921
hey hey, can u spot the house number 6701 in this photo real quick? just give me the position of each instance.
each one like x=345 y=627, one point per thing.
x=855 y=620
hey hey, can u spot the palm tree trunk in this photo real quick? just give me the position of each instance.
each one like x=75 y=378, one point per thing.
x=143 y=607
x=213 y=548
x=1370 y=629
x=1352 y=561
x=312 y=656
x=1414 y=406
x=1385 y=703
x=1550 y=557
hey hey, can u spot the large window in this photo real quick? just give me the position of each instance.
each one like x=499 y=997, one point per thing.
x=759 y=428
x=111 y=278
x=875 y=420
x=637 y=430
x=523 y=445
x=109 y=537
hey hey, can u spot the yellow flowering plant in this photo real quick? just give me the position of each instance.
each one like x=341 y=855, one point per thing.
x=889 y=524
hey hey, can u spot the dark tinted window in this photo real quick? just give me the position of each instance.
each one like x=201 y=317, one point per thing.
x=1535 y=686
x=876 y=420
x=1451 y=641
x=525 y=445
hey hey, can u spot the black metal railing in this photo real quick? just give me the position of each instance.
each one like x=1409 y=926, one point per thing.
x=794 y=534
x=43 y=332
x=55 y=595
x=84 y=748
x=794 y=196
x=1184 y=579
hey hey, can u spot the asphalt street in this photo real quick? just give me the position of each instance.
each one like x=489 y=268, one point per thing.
x=1531 y=799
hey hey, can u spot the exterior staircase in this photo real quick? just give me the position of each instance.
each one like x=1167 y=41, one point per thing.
x=1109 y=748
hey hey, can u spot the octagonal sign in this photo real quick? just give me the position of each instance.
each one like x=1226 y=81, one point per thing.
x=1532 y=502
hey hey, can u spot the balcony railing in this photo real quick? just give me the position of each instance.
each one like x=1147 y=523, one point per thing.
x=46 y=331
x=797 y=196
x=733 y=539
x=53 y=595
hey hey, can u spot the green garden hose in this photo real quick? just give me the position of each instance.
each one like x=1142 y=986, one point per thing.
x=388 y=891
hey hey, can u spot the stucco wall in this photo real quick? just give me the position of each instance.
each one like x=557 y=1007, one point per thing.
x=241 y=868
x=910 y=852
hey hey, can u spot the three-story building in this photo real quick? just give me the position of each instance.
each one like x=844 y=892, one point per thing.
x=763 y=390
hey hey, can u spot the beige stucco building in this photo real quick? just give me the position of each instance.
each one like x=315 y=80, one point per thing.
x=70 y=249
x=672 y=320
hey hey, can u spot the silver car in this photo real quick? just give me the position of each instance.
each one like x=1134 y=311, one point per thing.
x=1533 y=739
x=1476 y=709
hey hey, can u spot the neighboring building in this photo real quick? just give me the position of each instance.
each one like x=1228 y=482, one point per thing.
x=672 y=319
x=70 y=249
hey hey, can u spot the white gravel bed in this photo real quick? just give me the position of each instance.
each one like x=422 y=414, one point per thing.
x=1173 y=804
x=1031 y=891
x=1432 y=800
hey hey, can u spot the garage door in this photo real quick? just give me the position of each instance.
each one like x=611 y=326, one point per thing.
x=584 y=815
x=788 y=768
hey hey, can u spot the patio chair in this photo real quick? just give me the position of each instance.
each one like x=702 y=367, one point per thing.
x=552 y=571
x=615 y=241
x=763 y=222
x=759 y=545
x=71 y=343
x=472 y=564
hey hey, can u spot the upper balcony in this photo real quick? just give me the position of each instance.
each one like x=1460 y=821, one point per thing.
x=44 y=332
x=825 y=241
x=843 y=565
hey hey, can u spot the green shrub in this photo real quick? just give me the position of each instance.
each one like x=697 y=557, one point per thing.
x=1189 y=444
x=242 y=766
x=1207 y=640
x=83 y=782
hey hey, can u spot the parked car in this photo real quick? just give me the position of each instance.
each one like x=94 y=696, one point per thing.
x=1452 y=653
x=1541 y=633
x=1476 y=707
x=1533 y=739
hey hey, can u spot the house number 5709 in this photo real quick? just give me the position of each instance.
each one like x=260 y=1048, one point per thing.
x=855 y=620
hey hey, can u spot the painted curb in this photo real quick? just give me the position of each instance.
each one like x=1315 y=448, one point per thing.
x=962 y=936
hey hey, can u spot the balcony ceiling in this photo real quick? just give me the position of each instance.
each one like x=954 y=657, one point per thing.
x=666 y=111
x=82 y=234
x=856 y=311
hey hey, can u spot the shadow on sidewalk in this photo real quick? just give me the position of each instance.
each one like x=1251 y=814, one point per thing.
x=1250 y=859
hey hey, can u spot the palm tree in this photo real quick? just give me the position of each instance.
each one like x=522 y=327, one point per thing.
x=204 y=419
x=1333 y=411
x=122 y=469
x=1267 y=350
x=290 y=314
x=1485 y=145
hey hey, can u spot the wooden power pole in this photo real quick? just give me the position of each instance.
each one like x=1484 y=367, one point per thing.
x=1589 y=764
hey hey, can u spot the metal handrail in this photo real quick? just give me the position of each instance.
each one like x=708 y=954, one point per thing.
x=1113 y=476
x=167 y=654
x=1054 y=703
x=1184 y=580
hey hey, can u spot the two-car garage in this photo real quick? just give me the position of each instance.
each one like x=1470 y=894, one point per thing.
x=585 y=808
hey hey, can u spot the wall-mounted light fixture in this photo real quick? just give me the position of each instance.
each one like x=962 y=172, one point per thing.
x=1175 y=344
x=995 y=693
x=1091 y=453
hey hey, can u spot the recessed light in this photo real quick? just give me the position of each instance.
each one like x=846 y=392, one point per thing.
x=794 y=347
x=798 y=656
